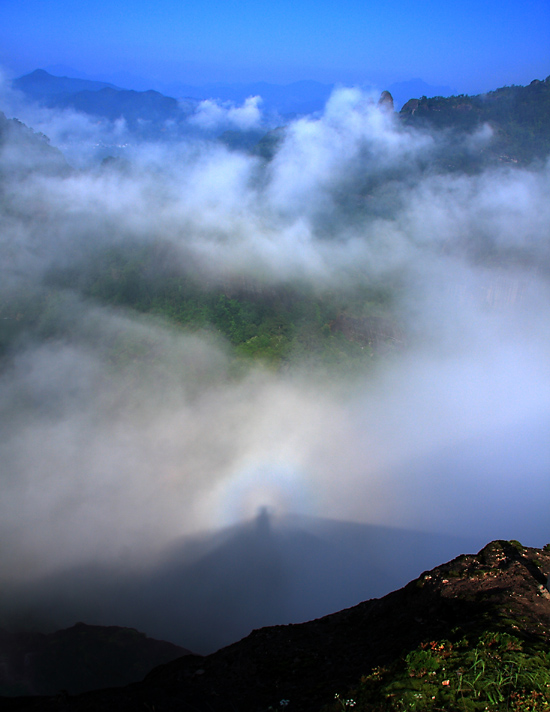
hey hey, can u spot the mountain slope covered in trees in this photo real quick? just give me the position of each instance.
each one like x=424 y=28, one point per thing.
x=517 y=116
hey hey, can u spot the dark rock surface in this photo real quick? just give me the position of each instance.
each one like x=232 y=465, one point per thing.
x=386 y=101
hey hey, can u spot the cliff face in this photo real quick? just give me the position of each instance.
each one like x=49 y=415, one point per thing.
x=495 y=601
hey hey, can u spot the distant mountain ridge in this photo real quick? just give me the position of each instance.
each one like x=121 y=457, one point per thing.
x=300 y=97
x=42 y=85
x=113 y=103
x=510 y=124
x=145 y=112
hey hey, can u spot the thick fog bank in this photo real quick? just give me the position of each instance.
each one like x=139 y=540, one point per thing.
x=122 y=434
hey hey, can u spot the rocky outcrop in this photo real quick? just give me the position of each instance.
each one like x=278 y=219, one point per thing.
x=410 y=107
x=386 y=101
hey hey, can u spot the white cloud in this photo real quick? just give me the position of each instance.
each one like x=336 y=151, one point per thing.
x=213 y=115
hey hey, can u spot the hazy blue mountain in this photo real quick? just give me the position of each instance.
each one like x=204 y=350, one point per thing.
x=145 y=112
x=42 y=86
x=301 y=97
x=128 y=80
x=113 y=103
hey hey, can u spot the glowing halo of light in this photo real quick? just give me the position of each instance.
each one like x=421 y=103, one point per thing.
x=278 y=488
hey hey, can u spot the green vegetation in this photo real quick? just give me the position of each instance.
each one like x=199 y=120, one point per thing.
x=518 y=116
x=275 y=323
x=495 y=672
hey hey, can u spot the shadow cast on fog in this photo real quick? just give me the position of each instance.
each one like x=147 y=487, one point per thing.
x=212 y=590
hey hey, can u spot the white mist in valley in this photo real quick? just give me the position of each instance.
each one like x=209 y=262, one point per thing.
x=122 y=434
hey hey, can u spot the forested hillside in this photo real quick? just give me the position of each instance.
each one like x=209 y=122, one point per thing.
x=280 y=323
x=517 y=115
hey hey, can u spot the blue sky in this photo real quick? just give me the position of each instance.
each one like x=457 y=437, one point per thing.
x=470 y=45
